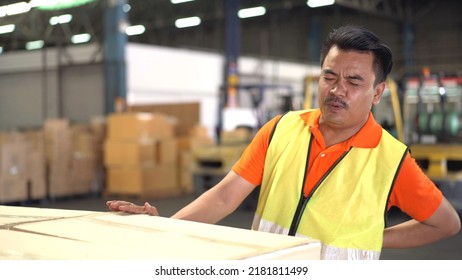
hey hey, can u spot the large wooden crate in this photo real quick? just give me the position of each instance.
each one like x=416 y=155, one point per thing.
x=38 y=233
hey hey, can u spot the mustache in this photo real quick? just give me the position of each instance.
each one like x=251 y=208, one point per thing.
x=335 y=99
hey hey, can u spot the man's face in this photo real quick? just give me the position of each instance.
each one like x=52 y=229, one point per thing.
x=346 y=88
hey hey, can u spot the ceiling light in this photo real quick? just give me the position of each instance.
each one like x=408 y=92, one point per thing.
x=34 y=45
x=187 y=22
x=251 y=12
x=179 y=1
x=7 y=28
x=135 y=30
x=17 y=8
x=80 y=38
x=37 y=3
x=60 y=19
x=2 y=11
x=53 y=5
x=319 y=3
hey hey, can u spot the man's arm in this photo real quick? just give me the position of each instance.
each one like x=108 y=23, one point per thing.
x=219 y=201
x=444 y=223
x=212 y=206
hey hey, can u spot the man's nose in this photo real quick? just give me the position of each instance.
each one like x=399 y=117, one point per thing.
x=338 y=89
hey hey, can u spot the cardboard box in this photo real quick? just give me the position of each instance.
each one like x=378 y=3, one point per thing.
x=126 y=152
x=58 y=179
x=157 y=181
x=13 y=157
x=140 y=152
x=185 y=181
x=58 y=141
x=37 y=175
x=187 y=114
x=130 y=126
x=199 y=131
x=185 y=159
x=83 y=140
x=54 y=234
x=13 y=188
x=190 y=143
x=82 y=173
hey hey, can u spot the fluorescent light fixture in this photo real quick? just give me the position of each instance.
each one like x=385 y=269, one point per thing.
x=54 y=5
x=187 y=22
x=135 y=30
x=179 y=1
x=7 y=28
x=37 y=3
x=319 y=3
x=2 y=11
x=34 y=45
x=251 y=12
x=80 y=38
x=17 y=8
x=60 y=19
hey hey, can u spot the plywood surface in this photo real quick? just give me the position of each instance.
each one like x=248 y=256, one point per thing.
x=10 y=215
x=64 y=234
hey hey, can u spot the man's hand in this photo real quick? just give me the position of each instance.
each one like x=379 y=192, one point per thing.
x=128 y=207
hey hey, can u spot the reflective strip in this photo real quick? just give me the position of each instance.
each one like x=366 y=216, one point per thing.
x=267 y=226
x=327 y=252
x=334 y=253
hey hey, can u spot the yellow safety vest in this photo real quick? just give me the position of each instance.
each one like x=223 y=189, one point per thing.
x=346 y=210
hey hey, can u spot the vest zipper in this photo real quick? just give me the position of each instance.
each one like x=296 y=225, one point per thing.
x=304 y=199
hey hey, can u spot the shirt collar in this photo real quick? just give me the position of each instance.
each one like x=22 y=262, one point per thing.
x=367 y=137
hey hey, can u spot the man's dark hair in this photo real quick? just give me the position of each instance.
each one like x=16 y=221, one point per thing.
x=357 y=38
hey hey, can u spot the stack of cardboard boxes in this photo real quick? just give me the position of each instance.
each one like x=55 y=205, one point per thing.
x=22 y=173
x=58 y=160
x=141 y=155
x=148 y=154
x=36 y=165
x=83 y=160
x=70 y=158
x=14 y=172
x=188 y=133
x=58 y=156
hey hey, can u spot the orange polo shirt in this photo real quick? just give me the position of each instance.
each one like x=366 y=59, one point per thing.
x=414 y=193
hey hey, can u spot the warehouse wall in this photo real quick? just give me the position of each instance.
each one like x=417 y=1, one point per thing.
x=47 y=84
x=50 y=83
x=168 y=75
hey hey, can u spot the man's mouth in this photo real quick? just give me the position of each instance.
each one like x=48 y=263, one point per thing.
x=335 y=103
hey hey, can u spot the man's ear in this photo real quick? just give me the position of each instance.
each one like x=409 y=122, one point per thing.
x=378 y=91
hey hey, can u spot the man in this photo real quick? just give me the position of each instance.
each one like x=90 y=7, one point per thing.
x=332 y=174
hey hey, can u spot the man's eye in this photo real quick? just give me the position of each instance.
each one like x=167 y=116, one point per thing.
x=354 y=84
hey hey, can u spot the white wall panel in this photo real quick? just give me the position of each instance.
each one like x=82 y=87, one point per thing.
x=24 y=61
x=167 y=75
x=21 y=102
x=83 y=92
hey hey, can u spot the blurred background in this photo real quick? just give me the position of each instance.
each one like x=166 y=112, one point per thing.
x=156 y=99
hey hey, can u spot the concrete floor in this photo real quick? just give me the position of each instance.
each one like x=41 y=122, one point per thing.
x=449 y=249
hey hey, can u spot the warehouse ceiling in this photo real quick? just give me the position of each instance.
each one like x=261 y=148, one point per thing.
x=281 y=19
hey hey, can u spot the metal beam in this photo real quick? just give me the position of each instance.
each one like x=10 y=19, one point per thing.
x=391 y=9
x=115 y=39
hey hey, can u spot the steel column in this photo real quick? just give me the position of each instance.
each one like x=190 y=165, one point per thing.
x=115 y=39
